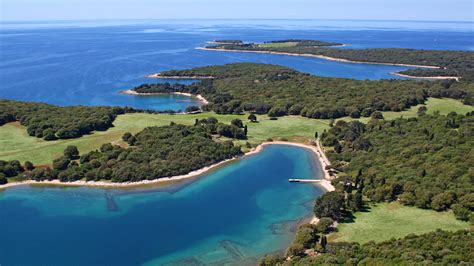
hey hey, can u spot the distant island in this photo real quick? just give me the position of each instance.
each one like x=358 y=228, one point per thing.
x=428 y=63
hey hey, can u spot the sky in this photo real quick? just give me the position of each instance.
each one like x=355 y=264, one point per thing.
x=433 y=10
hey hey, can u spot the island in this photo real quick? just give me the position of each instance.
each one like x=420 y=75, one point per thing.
x=432 y=64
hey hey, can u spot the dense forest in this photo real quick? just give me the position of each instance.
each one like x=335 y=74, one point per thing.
x=279 y=91
x=53 y=122
x=153 y=153
x=439 y=247
x=300 y=42
x=426 y=161
x=450 y=63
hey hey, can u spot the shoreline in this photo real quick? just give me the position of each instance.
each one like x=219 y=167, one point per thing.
x=421 y=77
x=316 y=56
x=159 y=76
x=198 y=96
x=325 y=181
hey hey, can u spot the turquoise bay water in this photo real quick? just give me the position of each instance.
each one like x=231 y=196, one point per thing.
x=232 y=215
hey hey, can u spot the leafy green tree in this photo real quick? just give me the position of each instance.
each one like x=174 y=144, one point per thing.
x=324 y=242
x=237 y=122
x=461 y=212
x=376 y=115
x=132 y=140
x=29 y=166
x=442 y=201
x=71 y=152
x=61 y=163
x=252 y=118
x=3 y=179
x=126 y=136
x=49 y=134
x=422 y=110
x=324 y=225
x=330 y=205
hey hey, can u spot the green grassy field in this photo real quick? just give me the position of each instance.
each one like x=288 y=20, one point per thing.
x=393 y=220
x=278 y=44
x=15 y=143
x=444 y=106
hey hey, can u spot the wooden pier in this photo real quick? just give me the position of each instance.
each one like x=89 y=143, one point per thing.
x=296 y=180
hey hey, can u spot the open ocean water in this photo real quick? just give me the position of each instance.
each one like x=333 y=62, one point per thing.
x=88 y=63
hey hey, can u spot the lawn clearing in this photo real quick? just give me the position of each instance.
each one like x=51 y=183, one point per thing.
x=393 y=220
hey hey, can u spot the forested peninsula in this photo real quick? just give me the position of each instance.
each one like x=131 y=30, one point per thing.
x=51 y=122
x=155 y=152
x=279 y=91
x=437 y=63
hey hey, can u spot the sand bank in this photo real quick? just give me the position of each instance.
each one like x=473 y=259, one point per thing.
x=325 y=183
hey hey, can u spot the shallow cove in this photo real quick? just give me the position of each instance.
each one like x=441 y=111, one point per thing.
x=232 y=215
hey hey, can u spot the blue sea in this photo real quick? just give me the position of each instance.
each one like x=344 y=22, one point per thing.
x=88 y=63
x=232 y=215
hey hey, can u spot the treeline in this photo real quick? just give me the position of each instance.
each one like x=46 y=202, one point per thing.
x=12 y=168
x=457 y=63
x=425 y=162
x=228 y=41
x=153 y=153
x=300 y=42
x=280 y=91
x=51 y=122
x=439 y=247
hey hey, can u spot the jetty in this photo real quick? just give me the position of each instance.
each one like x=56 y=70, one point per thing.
x=297 y=180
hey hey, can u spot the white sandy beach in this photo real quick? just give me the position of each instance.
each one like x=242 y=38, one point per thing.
x=198 y=96
x=325 y=183
x=419 y=77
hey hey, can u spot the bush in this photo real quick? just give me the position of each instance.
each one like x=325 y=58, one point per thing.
x=192 y=109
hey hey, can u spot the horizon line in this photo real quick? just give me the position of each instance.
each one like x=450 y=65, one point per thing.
x=233 y=19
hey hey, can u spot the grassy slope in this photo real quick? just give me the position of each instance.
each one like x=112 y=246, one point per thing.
x=16 y=144
x=444 y=106
x=393 y=220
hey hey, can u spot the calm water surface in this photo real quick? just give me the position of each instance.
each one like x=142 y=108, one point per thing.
x=232 y=215
x=87 y=63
